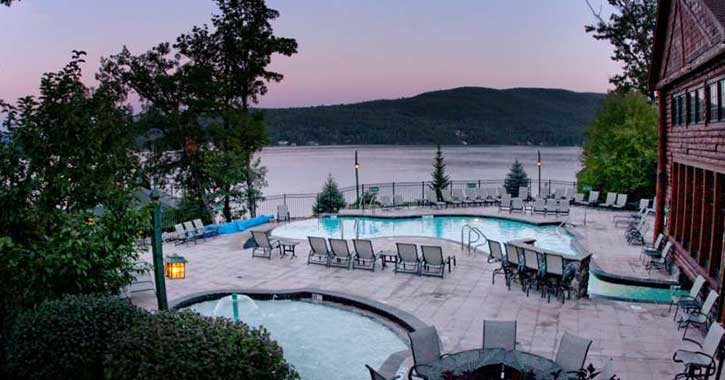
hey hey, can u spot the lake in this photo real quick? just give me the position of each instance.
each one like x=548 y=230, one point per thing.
x=303 y=169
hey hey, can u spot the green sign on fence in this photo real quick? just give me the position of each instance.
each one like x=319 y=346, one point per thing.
x=471 y=185
x=373 y=189
x=587 y=187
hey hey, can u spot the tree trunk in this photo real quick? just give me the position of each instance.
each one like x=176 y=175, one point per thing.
x=227 y=209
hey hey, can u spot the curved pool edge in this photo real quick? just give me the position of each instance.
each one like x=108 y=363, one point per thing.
x=630 y=280
x=465 y=215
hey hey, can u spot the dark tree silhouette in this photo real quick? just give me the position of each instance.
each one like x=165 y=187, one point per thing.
x=440 y=180
x=516 y=178
x=330 y=199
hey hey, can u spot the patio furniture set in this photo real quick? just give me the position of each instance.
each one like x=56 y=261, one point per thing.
x=193 y=231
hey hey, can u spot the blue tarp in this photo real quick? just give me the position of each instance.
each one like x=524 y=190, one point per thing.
x=241 y=225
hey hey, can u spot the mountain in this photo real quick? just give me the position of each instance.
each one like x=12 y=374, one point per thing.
x=466 y=115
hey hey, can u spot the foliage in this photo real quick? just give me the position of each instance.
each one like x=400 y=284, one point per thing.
x=94 y=338
x=516 y=178
x=7 y=2
x=199 y=90
x=68 y=172
x=440 y=181
x=330 y=199
x=67 y=338
x=519 y=116
x=621 y=151
x=630 y=30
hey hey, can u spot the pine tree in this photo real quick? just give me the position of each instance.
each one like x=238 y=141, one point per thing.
x=440 y=180
x=516 y=178
x=330 y=199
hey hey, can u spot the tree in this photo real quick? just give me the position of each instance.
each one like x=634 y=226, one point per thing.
x=68 y=171
x=630 y=30
x=440 y=180
x=7 y=2
x=620 y=154
x=516 y=178
x=330 y=199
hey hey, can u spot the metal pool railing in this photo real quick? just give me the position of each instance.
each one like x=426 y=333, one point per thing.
x=300 y=205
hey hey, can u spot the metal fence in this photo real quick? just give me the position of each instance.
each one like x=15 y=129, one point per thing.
x=300 y=205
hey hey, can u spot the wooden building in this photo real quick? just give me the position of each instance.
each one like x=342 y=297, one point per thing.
x=688 y=75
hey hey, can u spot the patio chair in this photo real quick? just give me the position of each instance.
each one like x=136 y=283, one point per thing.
x=364 y=257
x=407 y=258
x=499 y=334
x=448 y=198
x=621 y=202
x=515 y=264
x=629 y=219
x=579 y=199
x=551 y=207
x=637 y=235
x=458 y=196
x=482 y=195
x=340 y=255
x=283 y=214
x=517 y=205
x=554 y=277
x=654 y=249
x=643 y=203
x=534 y=270
x=263 y=245
x=563 y=207
x=505 y=204
x=375 y=375
x=572 y=353
x=433 y=263
x=181 y=236
x=192 y=231
x=208 y=231
x=385 y=201
x=496 y=255
x=701 y=364
x=593 y=199
x=559 y=193
x=689 y=301
x=432 y=200
x=570 y=193
x=503 y=192
x=539 y=206
x=700 y=317
x=398 y=200
x=611 y=198
x=319 y=253
x=661 y=262
x=426 y=347
x=472 y=196
x=524 y=192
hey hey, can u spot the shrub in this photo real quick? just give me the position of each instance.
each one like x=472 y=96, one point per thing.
x=330 y=199
x=515 y=179
x=67 y=338
x=186 y=345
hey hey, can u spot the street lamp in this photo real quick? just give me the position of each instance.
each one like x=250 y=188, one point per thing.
x=158 y=255
x=357 y=180
x=538 y=166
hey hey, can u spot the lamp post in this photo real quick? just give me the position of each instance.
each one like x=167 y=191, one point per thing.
x=156 y=249
x=538 y=166
x=357 y=180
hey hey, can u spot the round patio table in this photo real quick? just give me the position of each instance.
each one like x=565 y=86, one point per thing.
x=482 y=363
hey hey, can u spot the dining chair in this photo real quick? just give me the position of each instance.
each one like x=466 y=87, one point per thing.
x=572 y=352
x=499 y=334
x=425 y=344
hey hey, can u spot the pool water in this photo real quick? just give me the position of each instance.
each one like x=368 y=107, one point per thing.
x=599 y=287
x=322 y=342
x=442 y=227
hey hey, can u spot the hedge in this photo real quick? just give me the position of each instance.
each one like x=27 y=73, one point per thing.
x=87 y=337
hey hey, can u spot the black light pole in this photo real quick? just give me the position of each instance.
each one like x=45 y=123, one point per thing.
x=357 y=180
x=538 y=166
x=156 y=249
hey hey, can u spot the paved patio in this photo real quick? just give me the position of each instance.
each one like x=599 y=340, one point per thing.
x=640 y=338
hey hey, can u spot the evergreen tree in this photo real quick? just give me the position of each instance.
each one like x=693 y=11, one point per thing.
x=330 y=199
x=440 y=180
x=516 y=178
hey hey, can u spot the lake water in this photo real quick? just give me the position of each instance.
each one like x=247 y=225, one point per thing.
x=304 y=169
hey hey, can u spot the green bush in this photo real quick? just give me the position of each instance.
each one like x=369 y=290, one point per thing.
x=186 y=345
x=67 y=338
x=330 y=199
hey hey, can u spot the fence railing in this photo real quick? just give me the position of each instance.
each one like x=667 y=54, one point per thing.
x=300 y=205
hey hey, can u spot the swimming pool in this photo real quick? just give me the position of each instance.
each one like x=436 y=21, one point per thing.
x=442 y=227
x=321 y=341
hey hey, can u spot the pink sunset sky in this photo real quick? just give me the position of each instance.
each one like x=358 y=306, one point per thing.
x=349 y=50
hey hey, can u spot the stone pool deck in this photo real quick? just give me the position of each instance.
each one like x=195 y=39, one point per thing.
x=640 y=338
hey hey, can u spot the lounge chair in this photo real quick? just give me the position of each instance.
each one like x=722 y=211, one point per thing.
x=433 y=263
x=559 y=193
x=364 y=257
x=398 y=200
x=539 y=206
x=593 y=199
x=472 y=196
x=579 y=199
x=432 y=199
x=654 y=249
x=505 y=204
x=611 y=198
x=643 y=204
x=631 y=218
x=572 y=353
x=663 y=261
x=263 y=245
x=552 y=206
x=621 y=202
x=524 y=192
x=496 y=255
x=340 y=255
x=699 y=317
x=209 y=231
x=283 y=214
x=570 y=193
x=385 y=201
x=458 y=196
x=408 y=261
x=517 y=205
x=499 y=334
x=448 y=198
x=319 y=253
x=637 y=235
x=482 y=195
x=690 y=301
x=563 y=207
x=426 y=347
x=192 y=231
x=181 y=236
x=503 y=192
x=701 y=364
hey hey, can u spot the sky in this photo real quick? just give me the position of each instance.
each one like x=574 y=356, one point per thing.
x=349 y=50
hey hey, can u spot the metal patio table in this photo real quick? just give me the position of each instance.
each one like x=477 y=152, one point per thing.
x=490 y=363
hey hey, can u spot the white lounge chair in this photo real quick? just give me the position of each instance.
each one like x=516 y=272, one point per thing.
x=593 y=198
x=505 y=204
x=524 y=192
x=385 y=201
x=552 y=206
x=579 y=199
x=283 y=214
x=340 y=255
x=539 y=206
x=611 y=199
x=621 y=202
x=563 y=208
x=398 y=200
x=264 y=245
x=517 y=205
x=432 y=200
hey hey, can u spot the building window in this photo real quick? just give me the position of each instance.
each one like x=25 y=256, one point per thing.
x=721 y=99
x=691 y=106
x=713 y=101
x=681 y=112
x=675 y=116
